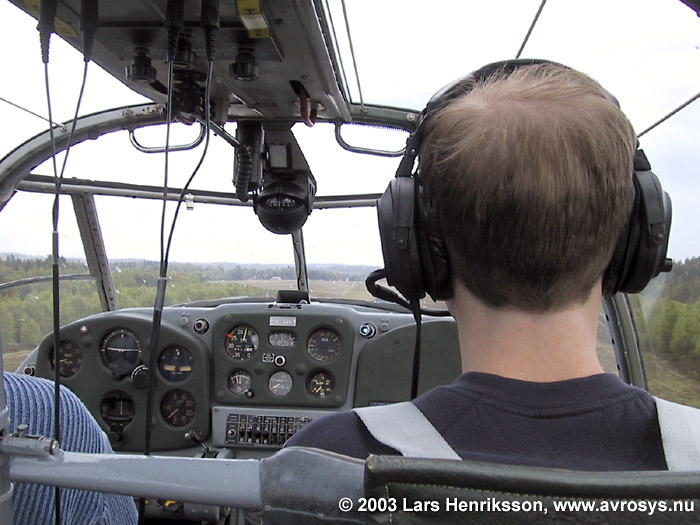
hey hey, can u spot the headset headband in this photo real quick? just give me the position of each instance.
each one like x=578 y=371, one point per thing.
x=415 y=256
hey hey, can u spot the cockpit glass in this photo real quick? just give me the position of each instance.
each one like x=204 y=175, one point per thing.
x=343 y=247
x=217 y=251
x=341 y=172
x=667 y=319
x=25 y=274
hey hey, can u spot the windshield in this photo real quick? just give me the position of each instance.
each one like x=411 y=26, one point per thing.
x=645 y=53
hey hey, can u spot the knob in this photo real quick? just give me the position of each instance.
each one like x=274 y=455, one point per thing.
x=140 y=376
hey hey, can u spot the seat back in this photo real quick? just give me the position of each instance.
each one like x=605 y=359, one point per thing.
x=412 y=490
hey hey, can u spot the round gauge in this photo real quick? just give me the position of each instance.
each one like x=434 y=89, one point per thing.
x=324 y=345
x=70 y=358
x=280 y=384
x=321 y=385
x=241 y=342
x=282 y=339
x=117 y=409
x=178 y=408
x=239 y=382
x=175 y=363
x=121 y=350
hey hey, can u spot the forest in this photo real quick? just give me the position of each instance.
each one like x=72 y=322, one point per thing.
x=671 y=324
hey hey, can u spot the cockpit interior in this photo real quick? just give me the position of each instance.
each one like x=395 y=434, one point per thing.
x=214 y=314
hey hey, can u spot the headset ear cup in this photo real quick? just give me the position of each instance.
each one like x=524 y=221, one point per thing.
x=435 y=261
x=640 y=253
x=615 y=273
x=397 y=230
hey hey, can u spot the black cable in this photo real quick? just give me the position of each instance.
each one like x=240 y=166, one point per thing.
x=47 y=25
x=207 y=120
x=165 y=250
x=174 y=24
x=56 y=256
x=47 y=15
x=55 y=287
x=209 y=20
x=89 y=16
x=160 y=290
x=415 y=307
x=381 y=292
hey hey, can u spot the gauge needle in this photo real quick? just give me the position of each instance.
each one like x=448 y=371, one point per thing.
x=173 y=412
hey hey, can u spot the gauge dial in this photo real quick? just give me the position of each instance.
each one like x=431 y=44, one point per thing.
x=241 y=342
x=239 y=382
x=117 y=406
x=117 y=410
x=282 y=339
x=121 y=350
x=70 y=358
x=321 y=385
x=175 y=363
x=324 y=345
x=178 y=408
x=280 y=383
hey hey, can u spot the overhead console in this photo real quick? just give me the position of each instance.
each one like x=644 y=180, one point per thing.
x=245 y=375
x=260 y=46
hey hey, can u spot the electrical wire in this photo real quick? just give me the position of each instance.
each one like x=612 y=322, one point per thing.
x=55 y=286
x=207 y=124
x=165 y=247
x=386 y=294
x=63 y=128
x=532 y=26
x=168 y=122
x=669 y=115
x=352 y=53
x=160 y=290
x=58 y=179
x=415 y=376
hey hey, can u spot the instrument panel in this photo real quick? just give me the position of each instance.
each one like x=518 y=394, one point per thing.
x=244 y=374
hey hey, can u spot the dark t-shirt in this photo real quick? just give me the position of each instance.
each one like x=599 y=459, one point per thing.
x=591 y=423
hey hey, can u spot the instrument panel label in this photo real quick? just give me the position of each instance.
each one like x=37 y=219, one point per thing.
x=283 y=320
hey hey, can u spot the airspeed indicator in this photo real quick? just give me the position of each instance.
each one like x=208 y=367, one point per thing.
x=241 y=342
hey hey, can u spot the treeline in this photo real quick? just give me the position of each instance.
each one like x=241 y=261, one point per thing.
x=230 y=272
x=672 y=322
x=26 y=311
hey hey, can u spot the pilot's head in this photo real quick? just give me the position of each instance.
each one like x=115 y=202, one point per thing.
x=531 y=174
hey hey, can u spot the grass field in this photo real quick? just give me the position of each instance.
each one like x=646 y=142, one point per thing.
x=672 y=380
x=339 y=289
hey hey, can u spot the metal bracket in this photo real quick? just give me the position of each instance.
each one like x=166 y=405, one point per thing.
x=22 y=444
x=91 y=234
x=367 y=151
x=161 y=149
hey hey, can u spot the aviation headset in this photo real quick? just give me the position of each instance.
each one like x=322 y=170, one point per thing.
x=415 y=254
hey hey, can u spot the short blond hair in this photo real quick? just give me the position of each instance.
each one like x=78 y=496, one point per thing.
x=531 y=173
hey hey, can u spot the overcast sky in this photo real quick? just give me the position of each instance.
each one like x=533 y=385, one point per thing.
x=647 y=53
